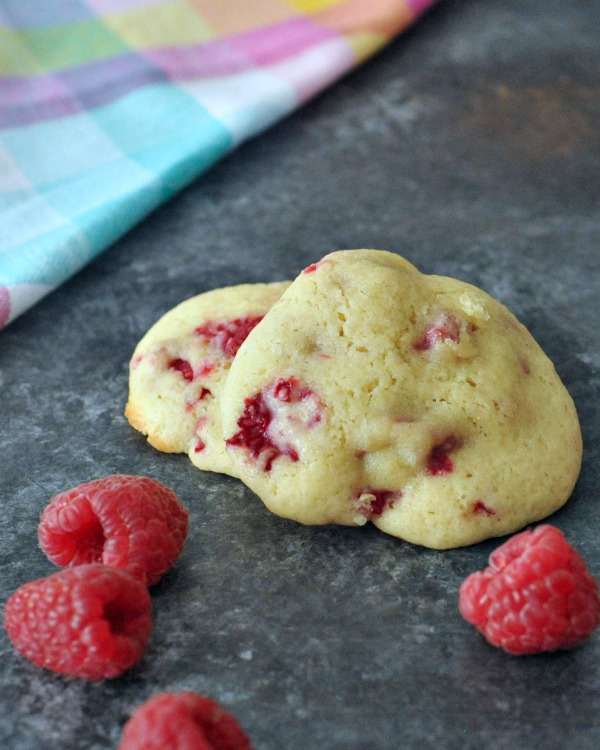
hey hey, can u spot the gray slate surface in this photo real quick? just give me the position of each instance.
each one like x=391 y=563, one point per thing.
x=471 y=146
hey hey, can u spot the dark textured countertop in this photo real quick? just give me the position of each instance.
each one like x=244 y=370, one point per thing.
x=471 y=146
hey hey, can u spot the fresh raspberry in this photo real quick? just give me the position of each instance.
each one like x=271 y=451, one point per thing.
x=536 y=595
x=91 y=621
x=182 y=721
x=131 y=523
x=227 y=336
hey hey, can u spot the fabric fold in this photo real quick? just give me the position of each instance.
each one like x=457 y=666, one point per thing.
x=110 y=107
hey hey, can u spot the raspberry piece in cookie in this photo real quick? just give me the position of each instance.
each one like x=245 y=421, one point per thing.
x=92 y=621
x=273 y=421
x=252 y=434
x=444 y=328
x=183 y=367
x=132 y=523
x=182 y=721
x=417 y=413
x=227 y=336
x=536 y=595
x=372 y=503
x=438 y=459
x=178 y=368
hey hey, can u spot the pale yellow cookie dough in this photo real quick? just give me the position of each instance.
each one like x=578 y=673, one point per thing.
x=373 y=392
x=177 y=370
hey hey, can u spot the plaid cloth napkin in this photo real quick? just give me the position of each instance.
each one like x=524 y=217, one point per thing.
x=109 y=107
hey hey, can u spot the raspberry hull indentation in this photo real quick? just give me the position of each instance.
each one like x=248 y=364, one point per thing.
x=129 y=522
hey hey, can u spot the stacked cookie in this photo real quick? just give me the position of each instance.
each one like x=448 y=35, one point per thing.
x=364 y=391
x=179 y=367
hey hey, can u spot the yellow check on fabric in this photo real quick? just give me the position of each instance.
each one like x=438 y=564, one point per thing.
x=109 y=107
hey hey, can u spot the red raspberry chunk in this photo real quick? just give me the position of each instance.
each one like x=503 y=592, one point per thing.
x=129 y=522
x=378 y=502
x=536 y=595
x=227 y=336
x=252 y=435
x=445 y=327
x=481 y=508
x=183 y=367
x=285 y=389
x=438 y=461
x=92 y=621
x=182 y=721
x=271 y=419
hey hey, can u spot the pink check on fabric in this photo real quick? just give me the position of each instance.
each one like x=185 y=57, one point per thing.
x=109 y=107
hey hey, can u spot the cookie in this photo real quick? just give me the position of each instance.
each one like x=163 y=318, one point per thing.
x=177 y=370
x=373 y=392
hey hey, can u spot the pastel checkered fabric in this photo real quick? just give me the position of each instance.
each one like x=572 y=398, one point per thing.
x=109 y=107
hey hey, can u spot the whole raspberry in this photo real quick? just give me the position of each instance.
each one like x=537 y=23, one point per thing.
x=91 y=621
x=131 y=523
x=536 y=595
x=182 y=721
